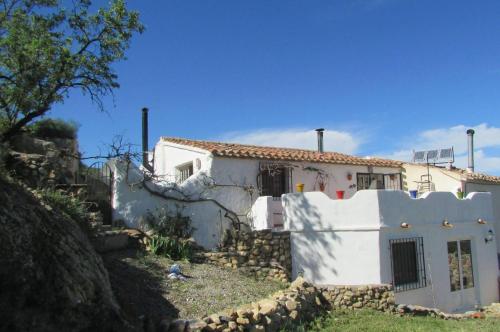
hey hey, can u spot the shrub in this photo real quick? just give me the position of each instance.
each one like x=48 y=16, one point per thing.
x=54 y=128
x=71 y=206
x=4 y=124
x=171 y=247
x=3 y=155
x=165 y=223
x=171 y=234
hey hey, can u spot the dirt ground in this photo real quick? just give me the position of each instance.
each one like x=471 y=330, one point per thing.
x=141 y=285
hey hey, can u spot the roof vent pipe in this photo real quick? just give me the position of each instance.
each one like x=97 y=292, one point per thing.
x=320 y=139
x=470 y=150
x=145 y=161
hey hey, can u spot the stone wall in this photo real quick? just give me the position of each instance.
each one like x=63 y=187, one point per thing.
x=378 y=297
x=299 y=303
x=264 y=254
x=303 y=302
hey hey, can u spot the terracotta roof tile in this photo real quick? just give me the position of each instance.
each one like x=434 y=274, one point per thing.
x=477 y=177
x=232 y=150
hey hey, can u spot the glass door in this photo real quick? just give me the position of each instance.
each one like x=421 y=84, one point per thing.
x=461 y=273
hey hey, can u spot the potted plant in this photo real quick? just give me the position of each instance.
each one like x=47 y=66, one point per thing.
x=349 y=176
x=340 y=194
x=460 y=194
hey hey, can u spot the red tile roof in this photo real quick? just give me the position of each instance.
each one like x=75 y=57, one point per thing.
x=232 y=150
x=477 y=177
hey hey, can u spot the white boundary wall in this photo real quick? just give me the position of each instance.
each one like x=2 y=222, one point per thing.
x=346 y=242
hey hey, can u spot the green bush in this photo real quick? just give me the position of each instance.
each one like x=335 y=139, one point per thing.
x=71 y=206
x=4 y=124
x=165 y=223
x=170 y=247
x=171 y=234
x=54 y=128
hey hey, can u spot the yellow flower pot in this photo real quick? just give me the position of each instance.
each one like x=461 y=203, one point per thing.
x=300 y=187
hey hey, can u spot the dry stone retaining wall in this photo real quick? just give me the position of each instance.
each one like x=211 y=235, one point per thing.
x=300 y=302
x=264 y=254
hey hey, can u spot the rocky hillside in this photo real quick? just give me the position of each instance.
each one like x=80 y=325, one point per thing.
x=51 y=279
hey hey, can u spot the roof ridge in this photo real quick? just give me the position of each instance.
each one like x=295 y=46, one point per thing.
x=237 y=150
x=167 y=138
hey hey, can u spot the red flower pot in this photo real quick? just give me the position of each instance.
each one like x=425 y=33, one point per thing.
x=340 y=194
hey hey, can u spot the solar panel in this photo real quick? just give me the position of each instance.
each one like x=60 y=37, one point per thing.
x=420 y=157
x=440 y=156
x=432 y=155
x=446 y=155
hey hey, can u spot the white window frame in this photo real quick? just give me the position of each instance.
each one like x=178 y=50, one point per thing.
x=183 y=172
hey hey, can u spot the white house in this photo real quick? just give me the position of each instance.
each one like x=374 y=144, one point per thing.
x=243 y=180
x=251 y=179
x=437 y=251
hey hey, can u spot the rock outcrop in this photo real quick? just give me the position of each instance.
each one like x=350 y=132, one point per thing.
x=40 y=163
x=51 y=279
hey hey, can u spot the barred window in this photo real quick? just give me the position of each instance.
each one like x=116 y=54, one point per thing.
x=183 y=172
x=408 y=265
x=274 y=180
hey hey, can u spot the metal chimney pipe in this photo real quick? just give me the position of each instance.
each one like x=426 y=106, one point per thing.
x=320 y=139
x=470 y=150
x=145 y=161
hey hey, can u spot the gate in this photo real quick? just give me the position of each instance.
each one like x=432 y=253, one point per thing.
x=99 y=180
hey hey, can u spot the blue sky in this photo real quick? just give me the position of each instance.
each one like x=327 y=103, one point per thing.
x=382 y=76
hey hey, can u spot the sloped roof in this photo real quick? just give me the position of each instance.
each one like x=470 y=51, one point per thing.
x=232 y=150
x=464 y=175
x=477 y=177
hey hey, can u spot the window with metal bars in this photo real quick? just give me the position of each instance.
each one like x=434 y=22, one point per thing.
x=275 y=182
x=183 y=172
x=408 y=264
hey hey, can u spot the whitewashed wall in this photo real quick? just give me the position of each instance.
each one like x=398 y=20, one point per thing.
x=167 y=156
x=347 y=242
x=442 y=179
x=131 y=203
x=445 y=180
x=494 y=189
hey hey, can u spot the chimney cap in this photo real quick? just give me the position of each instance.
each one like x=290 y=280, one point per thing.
x=470 y=131
x=320 y=129
x=145 y=109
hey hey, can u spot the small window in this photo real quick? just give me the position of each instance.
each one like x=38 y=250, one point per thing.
x=275 y=182
x=460 y=265
x=408 y=266
x=378 y=181
x=183 y=172
x=370 y=181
